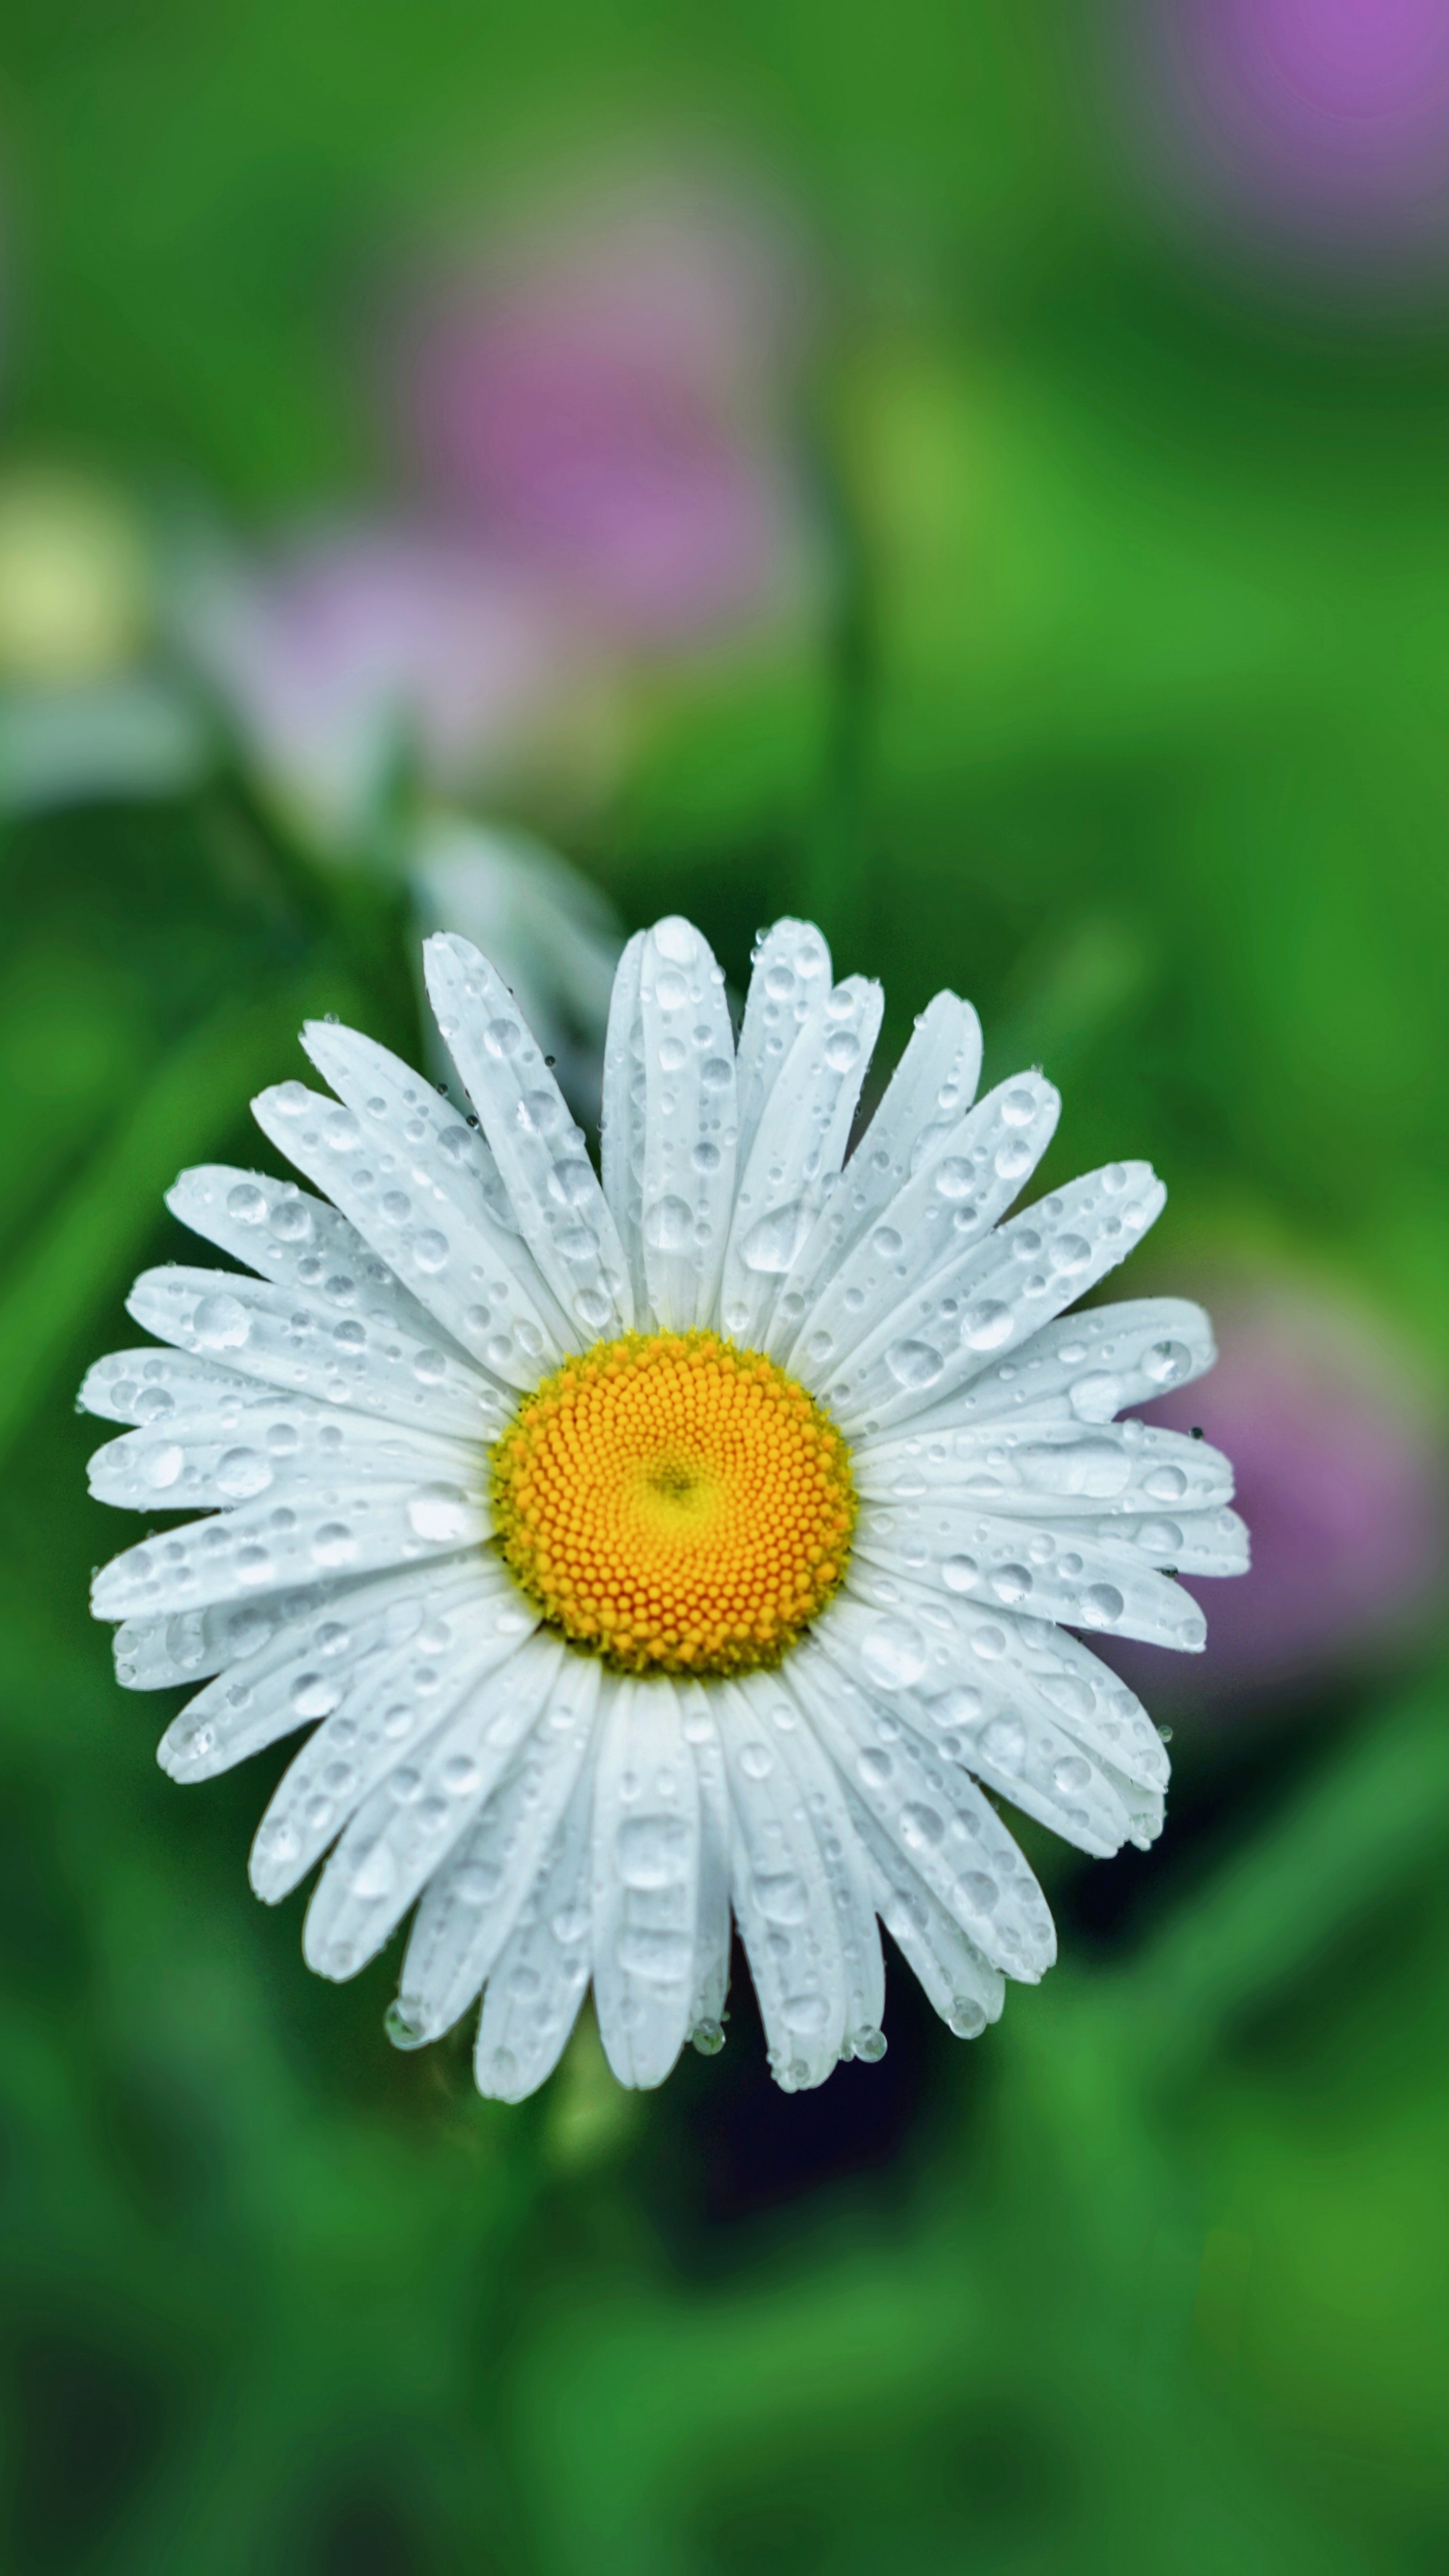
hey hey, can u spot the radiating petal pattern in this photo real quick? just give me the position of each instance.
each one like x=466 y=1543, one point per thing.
x=947 y=1482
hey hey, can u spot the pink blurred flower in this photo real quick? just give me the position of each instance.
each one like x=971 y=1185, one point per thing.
x=354 y=646
x=1314 y=122
x=603 y=396
x=1341 y=1480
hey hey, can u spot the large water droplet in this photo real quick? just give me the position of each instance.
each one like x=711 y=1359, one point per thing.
x=987 y=1326
x=668 y=1225
x=661 y=1958
x=676 y=939
x=246 y=1203
x=914 y=1364
x=405 y=2023
x=893 y=1653
x=1102 y=1605
x=313 y=1695
x=441 y=1513
x=782 y=1897
x=1167 y=1363
x=1165 y=1484
x=652 y=1851
x=375 y=1875
x=807 y=2014
x=221 y=1323
x=771 y=1245
x=1097 y=1396
x=243 y=1472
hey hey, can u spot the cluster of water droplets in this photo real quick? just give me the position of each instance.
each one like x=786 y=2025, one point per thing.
x=539 y=1152
x=422 y=1188
x=999 y=1292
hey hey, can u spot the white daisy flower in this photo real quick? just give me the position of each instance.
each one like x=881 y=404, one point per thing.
x=704 y=1540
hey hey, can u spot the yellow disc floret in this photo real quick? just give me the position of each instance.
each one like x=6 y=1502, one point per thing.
x=674 y=1504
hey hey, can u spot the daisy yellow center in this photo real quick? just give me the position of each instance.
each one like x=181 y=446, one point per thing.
x=674 y=1504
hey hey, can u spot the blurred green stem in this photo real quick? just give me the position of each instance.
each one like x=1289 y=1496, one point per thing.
x=836 y=875
x=102 y=1226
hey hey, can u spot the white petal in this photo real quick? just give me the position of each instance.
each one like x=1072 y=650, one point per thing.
x=622 y=1123
x=423 y=1211
x=1085 y=1368
x=788 y=985
x=330 y=1529
x=842 y=1866
x=783 y=1903
x=389 y=1704
x=949 y=1833
x=294 y=1659
x=712 y=1935
x=541 y=1154
x=690 y=1125
x=978 y=1664
x=425 y=1187
x=470 y=1907
x=1052 y=1471
x=1063 y=1574
x=645 y=1880
x=269 y=1444
x=525 y=2025
x=1001 y=1293
x=966 y=1990
x=1034 y=1762
x=799 y=1143
x=957 y=1191
x=404 y=1831
x=300 y=1243
x=339 y=1342
x=151 y=1386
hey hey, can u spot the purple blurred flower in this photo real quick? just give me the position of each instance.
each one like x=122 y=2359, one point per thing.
x=603 y=395
x=1340 y=1478
x=354 y=646
x=1324 y=123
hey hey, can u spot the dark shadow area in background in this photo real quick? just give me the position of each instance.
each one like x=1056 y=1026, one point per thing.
x=725 y=2151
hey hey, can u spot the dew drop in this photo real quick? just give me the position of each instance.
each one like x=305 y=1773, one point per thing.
x=221 y=1323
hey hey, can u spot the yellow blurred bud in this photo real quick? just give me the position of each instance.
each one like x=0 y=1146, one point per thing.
x=74 y=578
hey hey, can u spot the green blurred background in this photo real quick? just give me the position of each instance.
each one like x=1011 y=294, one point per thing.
x=1123 y=708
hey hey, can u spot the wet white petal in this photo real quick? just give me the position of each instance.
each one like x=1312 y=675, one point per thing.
x=928 y=1094
x=551 y=1184
x=645 y=1879
x=712 y=1934
x=935 y=1815
x=339 y=1341
x=999 y=1294
x=385 y=1708
x=799 y=1142
x=621 y=1138
x=1106 y=1586
x=260 y=1547
x=1084 y=1368
x=982 y=1663
x=690 y=1125
x=408 y=1825
x=295 y=1658
x=422 y=1208
x=472 y=1904
x=788 y=986
x=538 y=1979
x=958 y=1190
x=783 y=1903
